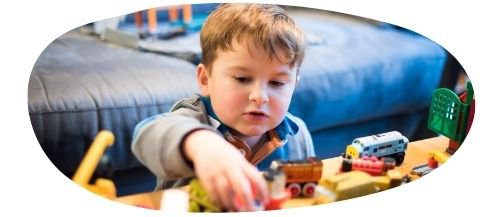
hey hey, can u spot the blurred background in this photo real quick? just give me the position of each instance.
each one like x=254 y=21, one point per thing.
x=359 y=77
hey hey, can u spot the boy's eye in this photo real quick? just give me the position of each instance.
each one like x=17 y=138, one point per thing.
x=276 y=83
x=241 y=79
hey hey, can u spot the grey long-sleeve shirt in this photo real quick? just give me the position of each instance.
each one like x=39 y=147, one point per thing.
x=157 y=141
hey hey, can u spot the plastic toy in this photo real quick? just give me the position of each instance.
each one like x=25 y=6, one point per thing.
x=276 y=180
x=198 y=199
x=173 y=17
x=435 y=157
x=451 y=115
x=302 y=175
x=355 y=184
x=102 y=187
x=370 y=164
x=391 y=144
x=199 y=202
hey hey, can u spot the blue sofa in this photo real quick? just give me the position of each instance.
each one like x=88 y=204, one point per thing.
x=359 y=77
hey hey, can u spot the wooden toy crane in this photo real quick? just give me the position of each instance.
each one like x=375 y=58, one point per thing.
x=451 y=115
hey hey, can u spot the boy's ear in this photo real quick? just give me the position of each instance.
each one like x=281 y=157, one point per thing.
x=202 y=78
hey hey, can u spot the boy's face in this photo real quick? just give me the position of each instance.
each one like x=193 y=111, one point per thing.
x=249 y=92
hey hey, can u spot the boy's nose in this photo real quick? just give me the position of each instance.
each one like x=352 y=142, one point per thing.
x=259 y=95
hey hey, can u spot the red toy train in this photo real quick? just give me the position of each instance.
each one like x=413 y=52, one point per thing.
x=370 y=164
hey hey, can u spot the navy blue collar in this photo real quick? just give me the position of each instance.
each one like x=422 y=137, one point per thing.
x=284 y=129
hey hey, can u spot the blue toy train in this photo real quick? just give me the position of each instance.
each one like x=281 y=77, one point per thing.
x=391 y=144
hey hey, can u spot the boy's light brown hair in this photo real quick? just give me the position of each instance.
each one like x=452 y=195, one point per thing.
x=268 y=26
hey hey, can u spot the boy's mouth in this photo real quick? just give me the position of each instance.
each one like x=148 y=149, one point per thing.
x=256 y=116
x=260 y=113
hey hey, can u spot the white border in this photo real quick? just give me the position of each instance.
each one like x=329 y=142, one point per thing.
x=31 y=185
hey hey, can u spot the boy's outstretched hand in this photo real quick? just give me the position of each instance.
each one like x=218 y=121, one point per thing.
x=226 y=175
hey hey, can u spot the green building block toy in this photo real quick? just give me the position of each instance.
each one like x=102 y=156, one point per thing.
x=451 y=115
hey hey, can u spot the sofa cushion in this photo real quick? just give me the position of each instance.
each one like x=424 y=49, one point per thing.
x=81 y=85
x=356 y=71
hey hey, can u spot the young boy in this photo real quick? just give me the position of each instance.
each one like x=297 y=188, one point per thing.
x=250 y=62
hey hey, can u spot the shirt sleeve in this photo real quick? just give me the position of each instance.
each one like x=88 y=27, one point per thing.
x=157 y=142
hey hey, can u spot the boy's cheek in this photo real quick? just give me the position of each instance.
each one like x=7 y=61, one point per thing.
x=286 y=96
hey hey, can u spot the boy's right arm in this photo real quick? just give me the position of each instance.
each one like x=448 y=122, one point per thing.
x=224 y=172
x=165 y=143
x=157 y=140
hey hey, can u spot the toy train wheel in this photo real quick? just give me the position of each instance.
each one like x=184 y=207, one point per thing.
x=295 y=189
x=346 y=164
x=309 y=189
x=399 y=158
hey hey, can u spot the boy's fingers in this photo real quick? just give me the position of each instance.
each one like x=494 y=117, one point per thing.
x=242 y=197
x=259 y=184
x=210 y=189
x=215 y=186
x=221 y=191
